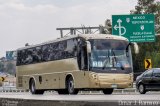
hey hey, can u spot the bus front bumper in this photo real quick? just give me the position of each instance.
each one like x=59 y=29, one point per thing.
x=118 y=81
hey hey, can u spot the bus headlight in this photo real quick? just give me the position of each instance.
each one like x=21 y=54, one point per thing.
x=94 y=76
x=131 y=76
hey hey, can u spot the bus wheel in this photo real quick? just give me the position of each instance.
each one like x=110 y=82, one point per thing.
x=108 y=91
x=70 y=86
x=33 y=88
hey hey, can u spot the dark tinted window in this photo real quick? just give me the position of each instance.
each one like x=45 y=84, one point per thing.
x=103 y=44
x=148 y=73
x=156 y=72
x=49 y=52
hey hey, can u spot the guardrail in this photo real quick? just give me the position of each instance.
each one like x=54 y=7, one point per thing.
x=10 y=89
x=116 y=91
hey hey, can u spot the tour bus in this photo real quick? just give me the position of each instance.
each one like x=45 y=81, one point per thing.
x=77 y=62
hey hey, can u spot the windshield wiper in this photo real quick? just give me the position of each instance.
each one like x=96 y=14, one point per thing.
x=115 y=58
x=106 y=61
x=127 y=49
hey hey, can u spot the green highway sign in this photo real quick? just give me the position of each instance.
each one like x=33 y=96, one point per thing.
x=137 y=28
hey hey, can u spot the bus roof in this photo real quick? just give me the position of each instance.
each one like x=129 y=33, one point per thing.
x=85 y=36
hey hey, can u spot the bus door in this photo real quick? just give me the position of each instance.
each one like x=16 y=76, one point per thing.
x=82 y=55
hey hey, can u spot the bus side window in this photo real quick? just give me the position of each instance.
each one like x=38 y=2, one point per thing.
x=45 y=53
x=19 y=58
x=29 y=57
x=36 y=57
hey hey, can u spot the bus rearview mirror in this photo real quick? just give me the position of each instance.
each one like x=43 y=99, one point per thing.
x=135 y=45
x=136 y=48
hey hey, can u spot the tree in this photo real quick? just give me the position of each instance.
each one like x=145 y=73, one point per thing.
x=148 y=7
x=10 y=68
x=108 y=26
x=147 y=50
x=1 y=67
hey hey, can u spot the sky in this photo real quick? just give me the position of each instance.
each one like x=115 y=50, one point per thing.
x=35 y=21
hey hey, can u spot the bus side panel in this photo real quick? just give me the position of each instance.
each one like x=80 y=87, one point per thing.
x=50 y=72
x=49 y=81
x=62 y=82
x=22 y=82
x=81 y=79
x=25 y=82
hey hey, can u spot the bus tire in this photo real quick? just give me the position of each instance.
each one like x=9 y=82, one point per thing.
x=108 y=91
x=70 y=87
x=32 y=88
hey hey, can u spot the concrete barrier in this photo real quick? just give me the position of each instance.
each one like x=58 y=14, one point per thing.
x=116 y=91
x=29 y=102
x=22 y=102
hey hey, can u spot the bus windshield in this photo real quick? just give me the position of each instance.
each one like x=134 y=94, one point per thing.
x=110 y=55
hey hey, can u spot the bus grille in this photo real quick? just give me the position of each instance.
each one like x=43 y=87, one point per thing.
x=20 y=81
x=111 y=78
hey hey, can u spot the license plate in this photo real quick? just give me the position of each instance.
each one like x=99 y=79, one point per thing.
x=114 y=86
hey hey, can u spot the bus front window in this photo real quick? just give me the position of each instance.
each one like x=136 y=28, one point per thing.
x=107 y=55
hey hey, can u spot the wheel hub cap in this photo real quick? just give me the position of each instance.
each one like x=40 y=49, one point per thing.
x=141 y=88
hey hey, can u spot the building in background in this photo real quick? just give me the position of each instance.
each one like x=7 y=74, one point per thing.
x=8 y=63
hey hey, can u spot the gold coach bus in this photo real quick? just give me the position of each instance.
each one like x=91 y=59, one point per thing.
x=77 y=62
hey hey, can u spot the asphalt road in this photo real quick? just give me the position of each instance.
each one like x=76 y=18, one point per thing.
x=81 y=97
x=53 y=99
